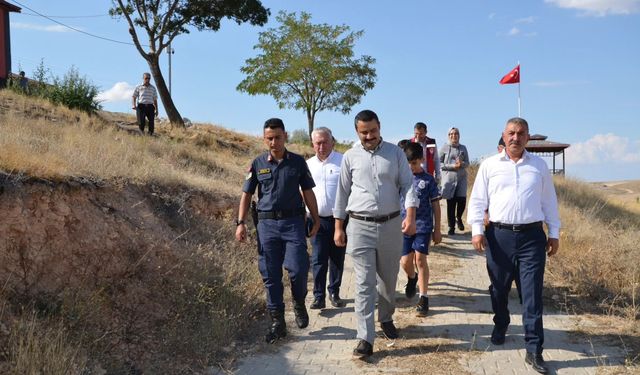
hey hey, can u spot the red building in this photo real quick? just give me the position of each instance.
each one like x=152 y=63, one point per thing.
x=5 y=41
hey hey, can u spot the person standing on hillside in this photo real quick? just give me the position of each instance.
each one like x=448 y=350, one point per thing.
x=431 y=162
x=517 y=189
x=326 y=256
x=374 y=175
x=23 y=82
x=454 y=159
x=145 y=103
x=279 y=176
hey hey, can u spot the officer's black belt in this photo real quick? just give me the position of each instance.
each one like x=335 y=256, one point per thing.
x=375 y=219
x=281 y=214
x=518 y=227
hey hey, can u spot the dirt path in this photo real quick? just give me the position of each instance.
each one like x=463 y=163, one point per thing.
x=454 y=338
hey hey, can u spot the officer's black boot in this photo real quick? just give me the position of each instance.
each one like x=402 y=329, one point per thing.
x=302 y=317
x=278 y=328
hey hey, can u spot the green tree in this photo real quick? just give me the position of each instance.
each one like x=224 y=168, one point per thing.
x=309 y=67
x=163 y=20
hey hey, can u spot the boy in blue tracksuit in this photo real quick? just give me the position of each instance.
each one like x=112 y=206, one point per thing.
x=416 y=248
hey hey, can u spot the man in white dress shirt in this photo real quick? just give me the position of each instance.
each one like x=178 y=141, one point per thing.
x=326 y=256
x=517 y=189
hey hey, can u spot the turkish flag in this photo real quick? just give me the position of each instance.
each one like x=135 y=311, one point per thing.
x=511 y=77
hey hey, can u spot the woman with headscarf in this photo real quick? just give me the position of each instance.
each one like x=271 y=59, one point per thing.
x=454 y=160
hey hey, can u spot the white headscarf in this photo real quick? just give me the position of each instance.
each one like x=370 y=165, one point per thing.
x=449 y=132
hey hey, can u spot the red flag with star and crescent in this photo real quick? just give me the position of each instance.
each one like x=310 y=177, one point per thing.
x=512 y=77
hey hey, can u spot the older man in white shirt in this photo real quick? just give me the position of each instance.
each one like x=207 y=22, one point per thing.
x=517 y=189
x=326 y=256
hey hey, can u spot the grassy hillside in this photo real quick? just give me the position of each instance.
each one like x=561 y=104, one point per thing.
x=118 y=251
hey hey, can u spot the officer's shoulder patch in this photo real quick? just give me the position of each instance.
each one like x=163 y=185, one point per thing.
x=264 y=171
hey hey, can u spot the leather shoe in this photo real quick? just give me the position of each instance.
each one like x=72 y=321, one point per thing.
x=460 y=224
x=302 y=317
x=336 y=301
x=536 y=362
x=278 y=327
x=389 y=330
x=363 y=349
x=498 y=335
x=318 y=304
x=451 y=232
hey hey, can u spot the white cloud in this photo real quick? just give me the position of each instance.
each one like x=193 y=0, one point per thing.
x=516 y=32
x=604 y=149
x=119 y=92
x=529 y=19
x=49 y=28
x=559 y=83
x=599 y=8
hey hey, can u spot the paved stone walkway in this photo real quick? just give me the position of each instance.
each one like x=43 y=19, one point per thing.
x=460 y=315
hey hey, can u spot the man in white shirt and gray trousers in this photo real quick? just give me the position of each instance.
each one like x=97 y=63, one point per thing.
x=374 y=176
x=517 y=189
x=326 y=256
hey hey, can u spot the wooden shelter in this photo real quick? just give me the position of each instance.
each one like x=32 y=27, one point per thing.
x=5 y=47
x=539 y=145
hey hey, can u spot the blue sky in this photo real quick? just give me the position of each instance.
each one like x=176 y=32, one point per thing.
x=437 y=61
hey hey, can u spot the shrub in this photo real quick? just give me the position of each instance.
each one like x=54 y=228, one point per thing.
x=300 y=136
x=38 y=83
x=74 y=91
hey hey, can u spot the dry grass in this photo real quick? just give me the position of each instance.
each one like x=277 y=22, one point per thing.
x=41 y=347
x=173 y=305
x=56 y=143
x=599 y=254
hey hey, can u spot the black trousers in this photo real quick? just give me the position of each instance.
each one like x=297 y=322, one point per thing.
x=518 y=254
x=148 y=111
x=326 y=256
x=455 y=209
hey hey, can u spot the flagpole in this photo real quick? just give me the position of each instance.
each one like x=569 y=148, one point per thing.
x=519 y=111
x=519 y=80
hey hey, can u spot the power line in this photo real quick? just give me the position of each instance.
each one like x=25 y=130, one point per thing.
x=48 y=15
x=73 y=28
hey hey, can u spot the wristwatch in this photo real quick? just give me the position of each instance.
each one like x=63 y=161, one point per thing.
x=239 y=222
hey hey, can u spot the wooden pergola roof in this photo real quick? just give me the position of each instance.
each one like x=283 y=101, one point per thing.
x=538 y=143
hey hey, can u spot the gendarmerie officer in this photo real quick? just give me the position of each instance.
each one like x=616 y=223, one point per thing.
x=517 y=189
x=279 y=176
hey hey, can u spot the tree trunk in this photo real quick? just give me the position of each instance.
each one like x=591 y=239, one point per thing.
x=310 y=119
x=163 y=92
